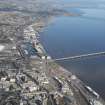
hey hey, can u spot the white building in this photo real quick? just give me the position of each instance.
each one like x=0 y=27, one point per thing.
x=43 y=79
x=65 y=88
x=12 y=80
x=31 y=86
x=2 y=47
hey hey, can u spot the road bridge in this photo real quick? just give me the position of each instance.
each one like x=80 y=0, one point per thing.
x=80 y=56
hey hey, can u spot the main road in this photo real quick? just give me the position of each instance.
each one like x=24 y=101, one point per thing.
x=80 y=56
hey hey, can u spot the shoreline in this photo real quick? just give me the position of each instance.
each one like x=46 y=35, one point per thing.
x=67 y=74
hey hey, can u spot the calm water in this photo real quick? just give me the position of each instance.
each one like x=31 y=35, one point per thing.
x=69 y=36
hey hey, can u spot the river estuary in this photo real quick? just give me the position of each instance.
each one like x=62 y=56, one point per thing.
x=70 y=36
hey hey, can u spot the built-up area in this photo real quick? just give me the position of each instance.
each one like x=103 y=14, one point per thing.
x=28 y=76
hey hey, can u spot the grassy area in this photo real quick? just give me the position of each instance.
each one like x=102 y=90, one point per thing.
x=7 y=5
x=53 y=65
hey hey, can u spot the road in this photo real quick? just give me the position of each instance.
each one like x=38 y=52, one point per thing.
x=80 y=56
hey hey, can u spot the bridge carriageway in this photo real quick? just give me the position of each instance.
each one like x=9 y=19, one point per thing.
x=81 y=56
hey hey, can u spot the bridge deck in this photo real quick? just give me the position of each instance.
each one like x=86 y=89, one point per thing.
x=80 y=56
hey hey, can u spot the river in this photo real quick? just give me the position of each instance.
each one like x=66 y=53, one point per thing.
x=75 y=35
x=70 y=35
